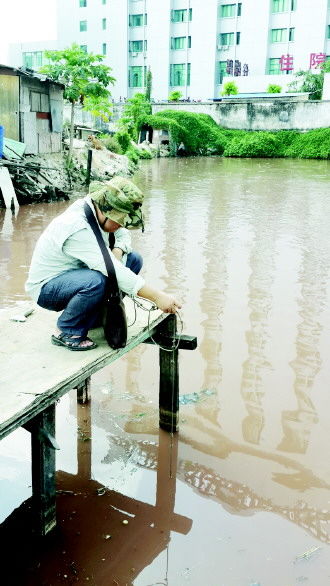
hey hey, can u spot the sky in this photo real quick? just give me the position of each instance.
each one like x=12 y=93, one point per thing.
x=22 y=21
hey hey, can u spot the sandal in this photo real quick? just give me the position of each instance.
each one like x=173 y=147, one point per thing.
x=71 y=343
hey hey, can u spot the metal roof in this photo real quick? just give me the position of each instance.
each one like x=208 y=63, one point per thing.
x=25 y=71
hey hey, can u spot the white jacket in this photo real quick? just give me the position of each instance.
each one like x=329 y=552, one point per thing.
x=69 y=243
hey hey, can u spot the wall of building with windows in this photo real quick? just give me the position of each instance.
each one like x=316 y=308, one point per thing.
x=193 y=45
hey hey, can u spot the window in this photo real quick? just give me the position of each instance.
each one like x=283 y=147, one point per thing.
x=104 y=1
x=137 y=19
x=226 y=38
x=227 y=10
x=328 y=31
x=180 y=42
x=180 y=74
x=137 y=46
x=238 y=38
x=82 y=3
x=293 y=5
x=280 y=5
x=83 y=26
x=33 y=60
x=279 y=35
x=104 y=24
x=291 y=33
x=239 y=9
x=83 y=48
x=274 y=67
x=136 y=76
x=222 y=71
x=181 y=15
x=104 y=48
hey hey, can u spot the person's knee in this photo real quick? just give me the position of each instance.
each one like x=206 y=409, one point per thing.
x=134 y=262
x=95 y=284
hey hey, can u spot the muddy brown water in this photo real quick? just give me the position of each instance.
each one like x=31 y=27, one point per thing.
x=241 y=496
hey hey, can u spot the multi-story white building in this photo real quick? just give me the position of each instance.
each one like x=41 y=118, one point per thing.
x=192 y=45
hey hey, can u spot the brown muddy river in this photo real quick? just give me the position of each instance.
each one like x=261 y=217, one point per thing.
x=241 y=495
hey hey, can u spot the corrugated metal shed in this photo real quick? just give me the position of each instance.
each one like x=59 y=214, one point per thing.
x=31 y=109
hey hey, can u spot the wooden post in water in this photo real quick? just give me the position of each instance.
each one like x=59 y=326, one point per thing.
x=84 y=391
x=169 y=376
x=42 y=429
x=89 y=167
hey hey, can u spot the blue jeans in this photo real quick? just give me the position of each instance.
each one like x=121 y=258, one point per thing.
x=79 y=293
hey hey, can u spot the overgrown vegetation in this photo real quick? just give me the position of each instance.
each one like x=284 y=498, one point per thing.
x=202 y=136
x=198 y=132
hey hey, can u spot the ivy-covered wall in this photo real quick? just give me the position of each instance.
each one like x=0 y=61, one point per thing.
x=269 y=114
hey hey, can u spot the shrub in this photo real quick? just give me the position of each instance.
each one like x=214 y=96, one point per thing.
x=314 y=144
x=112 y=144
x=229 y=89
x=175 y=96
x=132 y=154
x=274 y=89
x=144 y=154
x=123 y=139
x=256 y=144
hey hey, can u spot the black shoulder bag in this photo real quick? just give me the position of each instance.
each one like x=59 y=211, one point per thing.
x=115 y=323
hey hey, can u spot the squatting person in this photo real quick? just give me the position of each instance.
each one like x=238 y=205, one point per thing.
x=68 y=273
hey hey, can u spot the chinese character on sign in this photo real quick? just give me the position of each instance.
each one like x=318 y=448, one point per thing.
x=286 y=63
x=230 y=66
x=316 y=59
x=237 y=70
x=245 y=69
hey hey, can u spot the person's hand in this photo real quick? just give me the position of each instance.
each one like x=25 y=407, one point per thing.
x=167 y=303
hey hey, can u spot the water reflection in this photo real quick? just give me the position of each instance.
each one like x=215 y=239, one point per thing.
x=251 y=263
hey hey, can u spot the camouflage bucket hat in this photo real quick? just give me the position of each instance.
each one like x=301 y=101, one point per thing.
x=119 y=200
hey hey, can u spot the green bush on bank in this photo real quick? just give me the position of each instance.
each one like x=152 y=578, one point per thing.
x=198 y=132
x=314 y=144
x=201 y=135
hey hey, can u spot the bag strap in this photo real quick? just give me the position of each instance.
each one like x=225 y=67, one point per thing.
x=105 y=252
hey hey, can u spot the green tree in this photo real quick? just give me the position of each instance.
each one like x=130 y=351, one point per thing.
x=230 y=89
x=306 y=81
x=134 y=108
x=85 y=79
x=148 y=85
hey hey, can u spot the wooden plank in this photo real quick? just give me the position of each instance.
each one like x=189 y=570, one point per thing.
x=169 y=378
x=44 y=103
x=47 y=372
x=9 y=105
x=12 y=149
x=44 y=143
x=35 y=100
x=29 y=130
x=56 y=142
x=7 y=188
x=43 y=471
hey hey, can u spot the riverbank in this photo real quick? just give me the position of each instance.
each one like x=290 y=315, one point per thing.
x=200 y=135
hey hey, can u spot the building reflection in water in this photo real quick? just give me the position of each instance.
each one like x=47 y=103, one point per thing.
x=313 y=278
x=260 y=302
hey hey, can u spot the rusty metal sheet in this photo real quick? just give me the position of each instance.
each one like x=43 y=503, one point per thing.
x=9 y=105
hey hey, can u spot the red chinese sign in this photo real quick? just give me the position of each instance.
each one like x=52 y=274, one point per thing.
x=316 y=59
x=286 y=63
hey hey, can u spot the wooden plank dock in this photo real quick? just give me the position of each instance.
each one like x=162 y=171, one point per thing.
x=34 y=374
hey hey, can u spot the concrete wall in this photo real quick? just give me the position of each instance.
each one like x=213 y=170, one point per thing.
x=326 y=87
x=256 y=115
